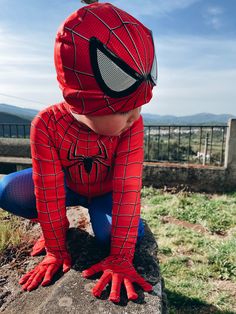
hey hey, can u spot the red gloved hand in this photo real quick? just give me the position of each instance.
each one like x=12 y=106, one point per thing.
x=118 y=270
x=44 y=272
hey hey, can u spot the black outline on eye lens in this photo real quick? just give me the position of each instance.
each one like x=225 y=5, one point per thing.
x=96 y=44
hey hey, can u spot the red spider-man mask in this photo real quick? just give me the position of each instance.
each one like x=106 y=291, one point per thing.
x=105 y=61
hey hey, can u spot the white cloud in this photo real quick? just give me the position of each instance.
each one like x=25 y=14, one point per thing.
x=213 y=17
x=215 y=10
x=188 y=92
x=153 y=7
x=196 y=52
x=27 y=69
x=195 y=75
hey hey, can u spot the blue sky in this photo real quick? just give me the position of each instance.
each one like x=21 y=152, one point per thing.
x=195 y=44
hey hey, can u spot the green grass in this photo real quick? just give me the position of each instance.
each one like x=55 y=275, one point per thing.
x=216 y=213
x=199 y=268
x=11 y=232
x=222 y=260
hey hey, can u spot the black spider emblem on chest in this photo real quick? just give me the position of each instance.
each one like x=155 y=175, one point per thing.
x=88 y=162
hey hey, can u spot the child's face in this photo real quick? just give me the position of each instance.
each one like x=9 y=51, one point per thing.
x=112 y=124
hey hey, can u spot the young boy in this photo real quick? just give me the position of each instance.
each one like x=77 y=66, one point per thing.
x=88 y=150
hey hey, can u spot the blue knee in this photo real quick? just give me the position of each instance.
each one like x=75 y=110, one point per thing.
x=140 y=230
x=5 y=200
x=100 y=210
x=103 y=233
x=102 y=230
x=17 y=194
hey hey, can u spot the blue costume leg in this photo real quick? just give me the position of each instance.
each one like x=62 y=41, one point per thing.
x=100 y=211
x=17 y=194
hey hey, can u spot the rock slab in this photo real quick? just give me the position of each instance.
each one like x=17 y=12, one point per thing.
x=71 y=293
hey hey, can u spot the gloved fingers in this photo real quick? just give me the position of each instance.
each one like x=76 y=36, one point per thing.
x=38 y=247
x=36 y=279
x=26 y=277
x=50 y=272
x=92 y=270
x=66 y=265
x=28 y=282
x=143 y=283
x=101 y=284
x=131 y=294
x=115 y=287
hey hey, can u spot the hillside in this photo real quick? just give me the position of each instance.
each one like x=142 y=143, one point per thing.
x=14 y=114
x=11 y=118
x=23 y=113
x=197 y=119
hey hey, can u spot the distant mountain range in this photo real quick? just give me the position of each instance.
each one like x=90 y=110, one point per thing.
x=13 y=114
x=11 y=118
x=196 y=119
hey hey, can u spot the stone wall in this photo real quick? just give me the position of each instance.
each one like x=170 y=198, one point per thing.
x=15 y=147
x=230 y=154
x=196 y=178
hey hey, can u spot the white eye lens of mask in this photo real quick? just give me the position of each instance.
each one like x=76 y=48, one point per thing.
x=113 y=76
x=154 y=70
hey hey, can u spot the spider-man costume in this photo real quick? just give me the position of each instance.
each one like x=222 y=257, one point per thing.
x=105 y=64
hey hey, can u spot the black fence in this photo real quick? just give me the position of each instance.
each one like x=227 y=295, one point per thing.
x=186 y=144
x=183 y=144
x=14 y=130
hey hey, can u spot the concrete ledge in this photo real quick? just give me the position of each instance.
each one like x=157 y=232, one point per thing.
x=11 y=164
x=16 y=160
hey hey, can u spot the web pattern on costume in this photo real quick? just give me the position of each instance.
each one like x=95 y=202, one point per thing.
x=113 y=31
x=57 y=140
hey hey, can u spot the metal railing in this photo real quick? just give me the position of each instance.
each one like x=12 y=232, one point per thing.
x=183 y=144
x=186 y=144
x=14 y=130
